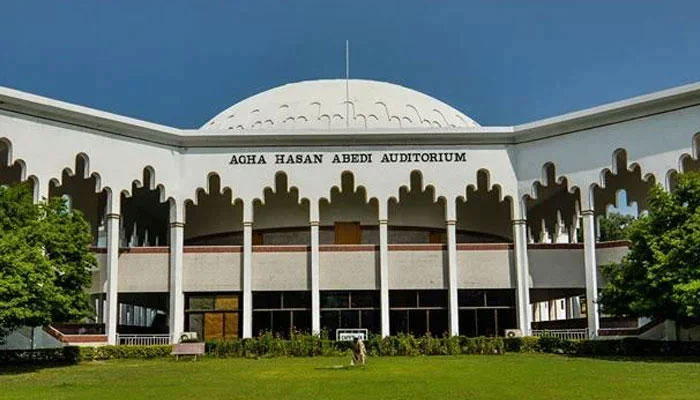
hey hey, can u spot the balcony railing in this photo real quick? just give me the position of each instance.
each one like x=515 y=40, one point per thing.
x=570 y=334
x=143 y=340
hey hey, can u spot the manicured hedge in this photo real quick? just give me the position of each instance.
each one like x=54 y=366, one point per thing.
x=402 y=345
x=311 y=346
x=123 y=352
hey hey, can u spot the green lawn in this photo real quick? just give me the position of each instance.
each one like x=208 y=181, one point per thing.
x=521 y=376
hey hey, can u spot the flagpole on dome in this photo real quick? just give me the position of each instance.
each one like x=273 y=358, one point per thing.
x=347 y=83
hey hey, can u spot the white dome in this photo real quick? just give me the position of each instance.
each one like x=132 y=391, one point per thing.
x=321 y=105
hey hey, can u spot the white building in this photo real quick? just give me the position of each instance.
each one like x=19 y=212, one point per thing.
x=387 y=209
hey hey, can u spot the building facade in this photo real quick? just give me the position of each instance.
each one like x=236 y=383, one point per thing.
x=347 y=204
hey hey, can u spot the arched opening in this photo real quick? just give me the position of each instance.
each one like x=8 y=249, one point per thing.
x=483 y=216
x=145 y=217
x=349 y=219
x=281 y=219
x=624 y=190
x=80 y=192
x=9 y=173
x=348 y=216
x=417 y=218
x=553 y=216
x=215 y=218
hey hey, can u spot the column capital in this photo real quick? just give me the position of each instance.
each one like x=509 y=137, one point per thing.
x=112 y=216
x=177 y=224
x=383 y=222
x=588 y=212
x=451 y=222
x=247 y=223
x=314 y=223
x=521 y=221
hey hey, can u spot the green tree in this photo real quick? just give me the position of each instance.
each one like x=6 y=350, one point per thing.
x=615 y=226
x=660 y=276
x=45 y=261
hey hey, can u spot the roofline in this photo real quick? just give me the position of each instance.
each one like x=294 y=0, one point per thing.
x=22 y=103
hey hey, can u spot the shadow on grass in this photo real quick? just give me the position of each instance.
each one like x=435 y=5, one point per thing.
x=644 y=359
x=341 y=367
x=26 y=368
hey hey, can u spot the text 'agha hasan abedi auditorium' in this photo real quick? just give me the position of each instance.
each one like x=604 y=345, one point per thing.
x=334 y=204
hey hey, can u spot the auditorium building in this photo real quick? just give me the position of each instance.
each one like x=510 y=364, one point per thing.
x=333 y=204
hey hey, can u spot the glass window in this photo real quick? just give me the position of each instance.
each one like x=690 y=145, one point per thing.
x=506 y=320
x=487 y=322
x=262 y=322
x=350 y=319
x=467 y=323
x=471 y=298
x=500 y=298
x=364 y=300
x=403 y=299
x=226 y=302
x=432 y=298
x=301 y=321
x=201 y=302
x=335 y=300
x=296 y=300
x=196 y=324
x=266 y=300
x=437 y=322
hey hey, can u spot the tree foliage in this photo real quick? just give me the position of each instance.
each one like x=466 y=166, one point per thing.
x=45 y=261
x=660 y=276
x=615 y=226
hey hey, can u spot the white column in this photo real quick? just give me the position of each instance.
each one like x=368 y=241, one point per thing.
x=591 y=272
x=247 y=270
x=315 y=279
x=111 y=319
x=453 y=303
x=177 y=296
x=384 y=268
x=522 y=273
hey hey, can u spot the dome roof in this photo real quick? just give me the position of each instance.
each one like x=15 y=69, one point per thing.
x=321 y=105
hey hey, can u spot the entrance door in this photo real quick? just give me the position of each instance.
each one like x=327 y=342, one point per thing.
x=348 y=233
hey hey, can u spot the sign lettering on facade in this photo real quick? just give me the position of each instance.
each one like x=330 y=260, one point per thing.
x=349 y=158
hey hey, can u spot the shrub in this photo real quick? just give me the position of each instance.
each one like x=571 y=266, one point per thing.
x=123 y=352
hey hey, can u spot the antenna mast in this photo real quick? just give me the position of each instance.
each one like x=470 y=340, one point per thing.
x=347 y=83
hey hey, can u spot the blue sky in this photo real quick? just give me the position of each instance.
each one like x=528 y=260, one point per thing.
x=502 y=63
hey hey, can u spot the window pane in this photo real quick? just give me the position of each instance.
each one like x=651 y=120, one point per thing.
x=467 y=323
x=432 y=298
x=371 y=320
x=227 y=302
x=330 y=320
x=196 y=324
x=201 y=302
x=486 y=322
x=230 y=325
x=281 y=323
x=266 y=300
x=262 y=322
x=398 y=321
x=506 y=320
x=402 y=299
x=417 y=322
x=471 y=298
x=501 y=298
x=334 y=300
x=297 y=300
x=349 y=319
x=437 y=322
x=213 y=326
x=301 y=321
x=365 y=300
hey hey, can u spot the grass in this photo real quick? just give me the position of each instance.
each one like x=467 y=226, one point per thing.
x=521 y=376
